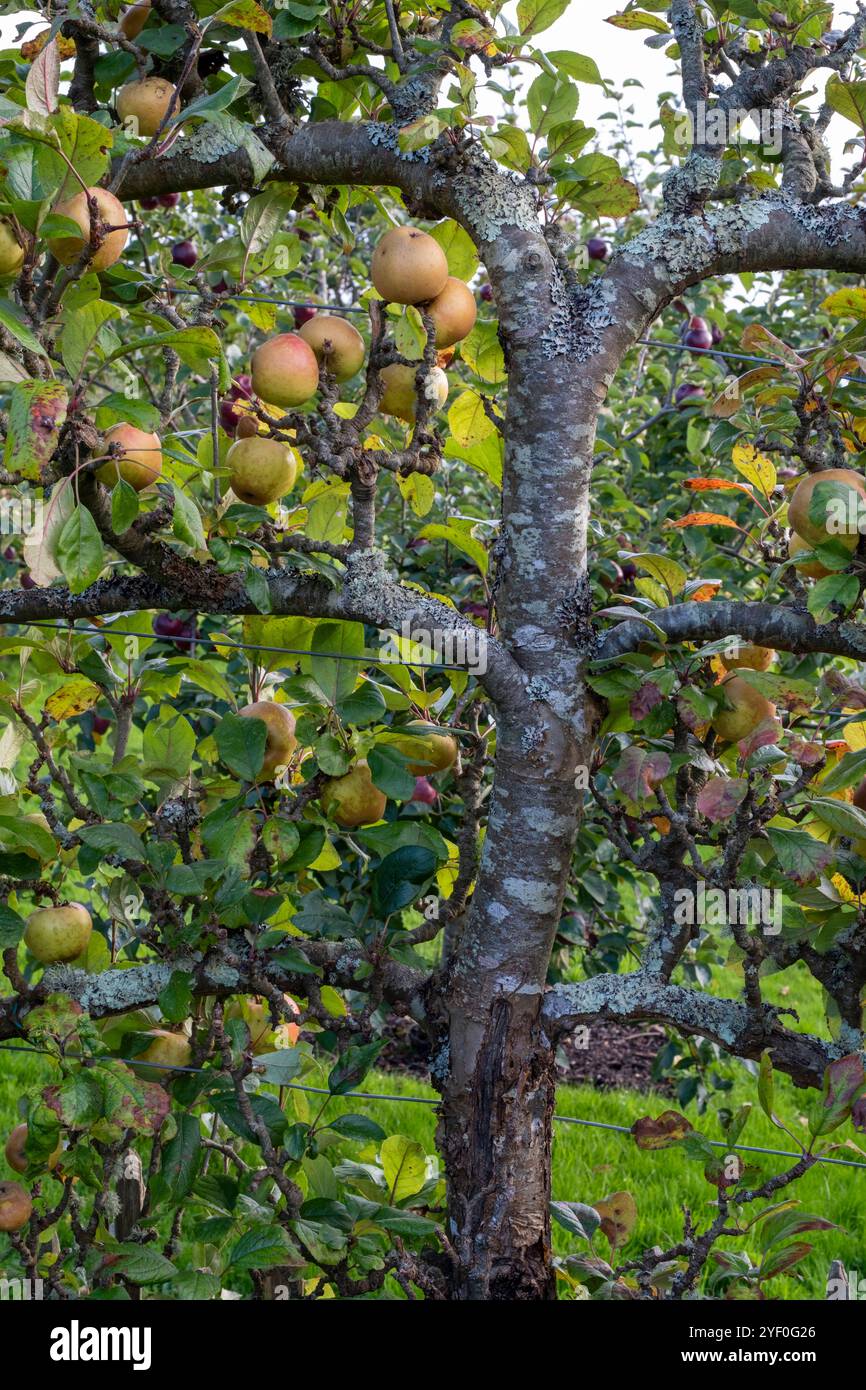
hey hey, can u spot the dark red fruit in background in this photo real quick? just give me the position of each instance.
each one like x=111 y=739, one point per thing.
x=486 y=293
x=148 y=204
x=221 y=286
x=698 y=334
x=241 y=387
x=424 y=791
x=717 y=333
x=629 y=571
x=688 y=391
x=303 y=313
x=181 y=631
x=101 y=725
x=597 y=249
x=610 y=574
x=168 y=200
x=474 y=610
x=229 y=417
x=9 y=553
x=184 y=253
x=680 y=306
x=417 y=543
x=27 y=582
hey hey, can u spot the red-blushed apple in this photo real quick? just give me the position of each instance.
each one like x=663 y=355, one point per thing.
x=110 y=210
x=486 y=293
x=698 y=336
x=424 y=791
x=302 y=313
x=285 y=371
x=408 y=266
x=689 y=393
x=138 y=458
x=597 y=249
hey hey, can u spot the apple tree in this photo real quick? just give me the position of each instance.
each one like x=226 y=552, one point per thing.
x=327 y=692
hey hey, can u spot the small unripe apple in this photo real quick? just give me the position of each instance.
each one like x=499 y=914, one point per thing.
x=16 y=1155
x=399 y=396
x=58 y=934
x=280 y=724
x=424 y=791
x=597 y=249
x=67 y=249
x=133 y=20
x=337 y=344
x=184 y=253
x=453 y=312
x=285 y=370
x=167 y=1049
x=146 y=103
x=11 y=250
x=749 y=708
x=353 y=800
x=408 y=266
x=302 y=313
x=140 y=463
x=262 y=470
x=15 y=1206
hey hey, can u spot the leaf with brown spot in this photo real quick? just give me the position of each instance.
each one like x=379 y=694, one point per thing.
x=728 y=401
x=705 y=519
x=718 y=485
x=37 y=410
x=73 y=697
x=618 y=1214
x=660 y=1131
x=756 y=338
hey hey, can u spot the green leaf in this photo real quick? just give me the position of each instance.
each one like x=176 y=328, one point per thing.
x=353 y=1066
x=263 y=217
x=175 y=1000
x=459 y=248
x=81 y=333
x=404 y=1164
x=359 y=1127
x=37 y=410
x=639 y=19
x=181 y=1158
x=80 y=553
x=535 y=15
x=576 y=65
x=124 y=506
x=482 y=351
x=550 y=101
x=833 y=597
x=12 y=318
x=389 y=772
x=141 y=1264
x=11 y=927
x=337 y=678
x=114 y=839
x=841 y=816
x=799 y=854
x=398 y=880
x=241 y=744
x=264 y=1247
x=848 y=98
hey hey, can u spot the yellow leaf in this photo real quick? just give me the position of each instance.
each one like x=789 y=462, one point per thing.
x=754 y=467
x=73 y=697
x=618 y=1214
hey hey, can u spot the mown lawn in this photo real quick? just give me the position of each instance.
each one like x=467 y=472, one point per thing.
x=588 y=1163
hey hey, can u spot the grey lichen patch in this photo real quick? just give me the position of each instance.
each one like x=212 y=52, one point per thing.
x=538 y=689
x=691 y=182
x=687 y=245
x=225 y=135
x=580 y=316
x=383 y=133
x=490 y=200
x=531 y=739
x=535 y=893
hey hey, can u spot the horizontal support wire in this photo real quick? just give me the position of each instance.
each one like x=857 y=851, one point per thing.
x=430 y=1100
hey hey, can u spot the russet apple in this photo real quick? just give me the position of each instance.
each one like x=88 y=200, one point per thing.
x=408 y=266
x=133 y=20
x=285 y=371
x=16 y=1155
x=256 y=1014
x=145 y=103
x=55 y=935
x=749 y=708
x=15 y=1206
x=453 y=312
x=426 y=752
x=399 y=396
x=353 y=800
x=262 y=470
x=280 y=724
x=813 y=569
x=67 y=249
x=338 y=345
x=817 y=532
x=11 y=250
x=140 y=464
x=166 y=1051
x=753 y=658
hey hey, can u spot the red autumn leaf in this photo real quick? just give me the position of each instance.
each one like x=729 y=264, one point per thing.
x=705 y=519
x=765 y=734
x=644 y=700
x=720 y=796
x=705 y=591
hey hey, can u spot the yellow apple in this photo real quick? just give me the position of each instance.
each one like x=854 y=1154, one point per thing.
x=167 y=1049
x=338 y=345
x=15 y=1206
x=58 y=934
x=280 y=724
x=11 y=250
x=399 y=396
x=749 y=708
x=133 y=20
x=798 y=507
x=813 y=569
x=427 y=752
x=408 y=266
x=145 y=103
x=754 y=658
x=262 y=470
x=140 y=464
x=353 y=800
x=68 y=248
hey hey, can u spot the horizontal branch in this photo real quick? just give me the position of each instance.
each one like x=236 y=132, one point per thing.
x=767 y=624
x=644 y=998
x=139 y=986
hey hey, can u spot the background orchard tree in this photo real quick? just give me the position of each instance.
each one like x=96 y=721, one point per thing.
x=244 y=817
